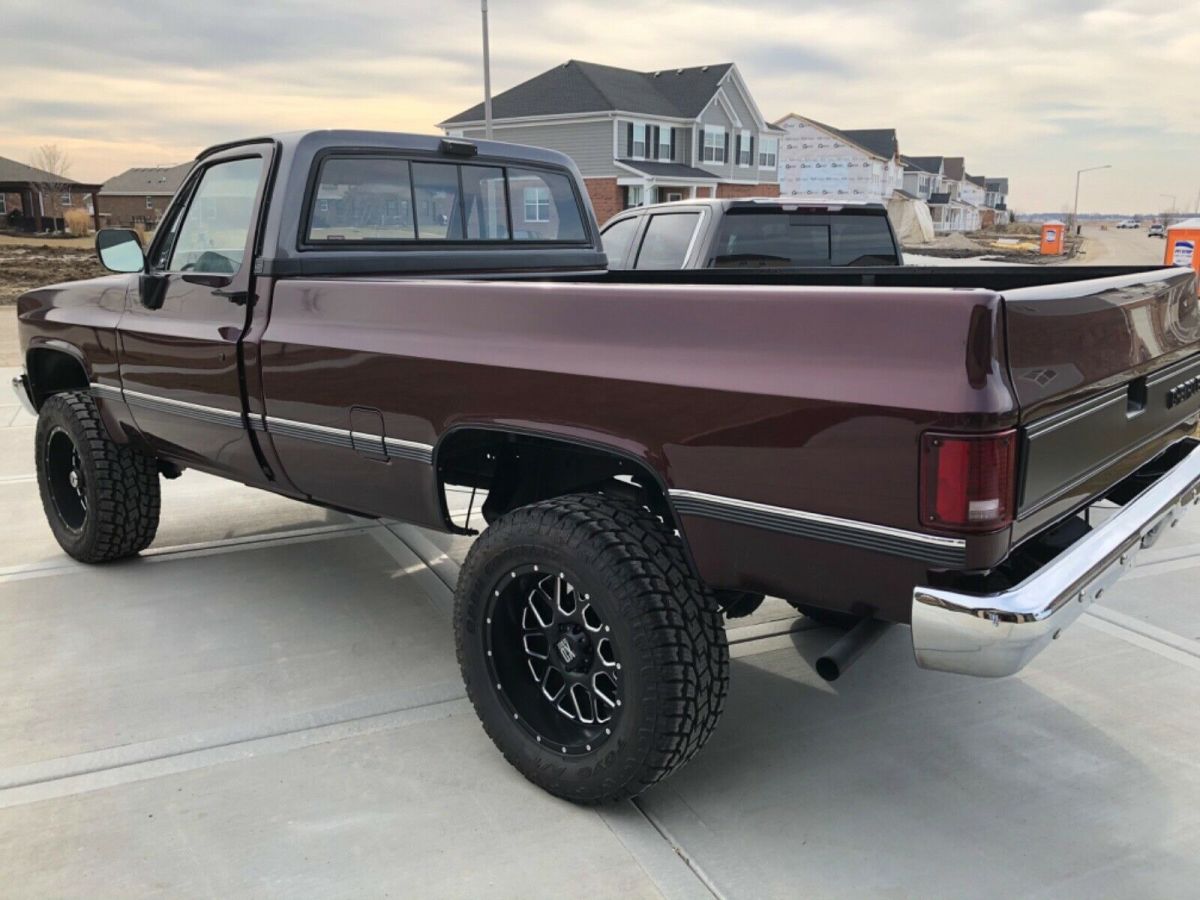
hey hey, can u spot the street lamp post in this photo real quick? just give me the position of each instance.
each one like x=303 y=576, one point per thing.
x=487 y=76
x=1075 y=210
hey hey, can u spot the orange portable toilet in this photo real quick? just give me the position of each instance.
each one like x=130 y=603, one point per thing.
x=1182 y=238
x=1053 y=238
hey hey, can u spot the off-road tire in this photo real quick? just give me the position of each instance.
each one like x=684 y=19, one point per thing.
x=665 y=627
x=120 y=491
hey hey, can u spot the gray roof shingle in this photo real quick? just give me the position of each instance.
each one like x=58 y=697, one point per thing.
x=18 y=172
x=931 y=164
x=670 y=170
x=579 y=87
x=149 y=180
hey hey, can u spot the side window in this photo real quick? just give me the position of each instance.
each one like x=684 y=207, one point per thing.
x=543 y=206
x=435 y=192
x=363 y=199
x=617 y=238
x=212 y=236
x=666 y=242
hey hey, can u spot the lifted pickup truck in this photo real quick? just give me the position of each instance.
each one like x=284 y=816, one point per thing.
x=750 y=234
x=359 y=320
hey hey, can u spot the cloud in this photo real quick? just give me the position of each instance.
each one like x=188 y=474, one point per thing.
x=1027 y=89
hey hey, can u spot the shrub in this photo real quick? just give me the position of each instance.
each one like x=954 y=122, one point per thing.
x=79 y=222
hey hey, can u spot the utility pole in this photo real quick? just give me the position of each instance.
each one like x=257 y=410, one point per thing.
x=487 y=76
x=1075 y=211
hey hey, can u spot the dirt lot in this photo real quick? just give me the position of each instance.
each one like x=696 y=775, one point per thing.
x=26 y=264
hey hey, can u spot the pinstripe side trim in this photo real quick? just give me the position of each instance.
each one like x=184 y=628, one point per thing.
x=945 y=551
x=378 y=445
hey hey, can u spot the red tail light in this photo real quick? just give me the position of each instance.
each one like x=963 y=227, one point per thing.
x=968 y=481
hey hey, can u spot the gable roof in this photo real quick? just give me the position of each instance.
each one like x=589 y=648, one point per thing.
x=954 y=168
x=13 y=171
x=931 y=164
x=998 y=185
x=977 y=180
x=148 y=180
x=880 y=142
x=580 y=87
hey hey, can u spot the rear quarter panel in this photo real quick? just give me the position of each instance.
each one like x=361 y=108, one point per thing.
x=812 y=399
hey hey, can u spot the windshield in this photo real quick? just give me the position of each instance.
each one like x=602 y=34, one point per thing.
x=781 y=237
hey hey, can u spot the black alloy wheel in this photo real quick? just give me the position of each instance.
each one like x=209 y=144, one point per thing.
x=552 y=655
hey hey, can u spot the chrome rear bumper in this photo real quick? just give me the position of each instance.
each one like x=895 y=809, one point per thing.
x=20 y=386
x=992 y=635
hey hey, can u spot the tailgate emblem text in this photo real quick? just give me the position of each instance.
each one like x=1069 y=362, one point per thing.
x=1183 y=392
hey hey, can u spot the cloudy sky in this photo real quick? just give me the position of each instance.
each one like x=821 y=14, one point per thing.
x=1032 y=89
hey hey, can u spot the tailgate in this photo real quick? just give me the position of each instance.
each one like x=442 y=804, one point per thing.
x=1106 y=373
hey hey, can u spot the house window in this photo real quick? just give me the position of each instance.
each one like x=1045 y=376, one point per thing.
x=635 y=195
x=714 y=144
x=64 y=199
x=149 y=202
x=664 y=143
x=744 y=148
x=639 y=140
x=537 y=204
x=768 y=151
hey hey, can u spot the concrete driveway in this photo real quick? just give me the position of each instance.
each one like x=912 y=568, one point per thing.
x=266 y=704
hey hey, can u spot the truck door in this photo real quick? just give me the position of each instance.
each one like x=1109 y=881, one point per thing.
x=180 y=355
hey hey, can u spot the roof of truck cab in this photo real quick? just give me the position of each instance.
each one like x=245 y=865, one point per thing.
x=350 y=139
x=728 y=203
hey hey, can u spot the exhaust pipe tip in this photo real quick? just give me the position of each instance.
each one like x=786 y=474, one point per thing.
x=828 y=669
x=833 y=663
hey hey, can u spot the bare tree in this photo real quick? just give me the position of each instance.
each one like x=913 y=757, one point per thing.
x=56 y=163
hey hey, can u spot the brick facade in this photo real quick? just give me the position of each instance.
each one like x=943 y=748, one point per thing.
x=607 y=198
x=125 y=212
x=52 y=211
x=738 y=191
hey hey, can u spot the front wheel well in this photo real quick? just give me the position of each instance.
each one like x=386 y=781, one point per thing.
x=53 y=372
x=515 y=469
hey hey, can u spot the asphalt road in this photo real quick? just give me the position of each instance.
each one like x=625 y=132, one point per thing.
x=1118 y=247
x=266 y=704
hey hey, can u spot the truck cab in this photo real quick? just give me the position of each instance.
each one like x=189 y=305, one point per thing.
x=755 y=233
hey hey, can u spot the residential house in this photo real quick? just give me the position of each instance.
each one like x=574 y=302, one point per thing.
x=640 y=137
x=140 y=196
x=818 y=161
x=996 y=198
x=922 y=176
x=954 y=198
x=33 y=199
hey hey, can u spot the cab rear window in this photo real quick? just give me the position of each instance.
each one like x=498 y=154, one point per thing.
x=780 y=237
x=373 y=200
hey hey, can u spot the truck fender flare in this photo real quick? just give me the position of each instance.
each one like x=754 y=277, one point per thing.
x=42 y=349
x=593 y=445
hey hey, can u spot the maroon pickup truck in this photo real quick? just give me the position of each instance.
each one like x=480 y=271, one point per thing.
x=363 y=320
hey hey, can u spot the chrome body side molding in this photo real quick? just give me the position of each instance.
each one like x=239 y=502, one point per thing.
x=391 y=448
x=944 y=551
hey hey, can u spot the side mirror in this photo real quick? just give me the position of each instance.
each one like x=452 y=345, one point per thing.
x=120 y=250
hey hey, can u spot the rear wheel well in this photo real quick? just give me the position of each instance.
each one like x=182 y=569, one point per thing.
x=516 y=469
x=53 y=372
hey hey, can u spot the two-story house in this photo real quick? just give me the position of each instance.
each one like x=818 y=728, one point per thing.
x=954 y=197
x=996 y=198
x=818 y=161
x=922 y=175
x=640 y=137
